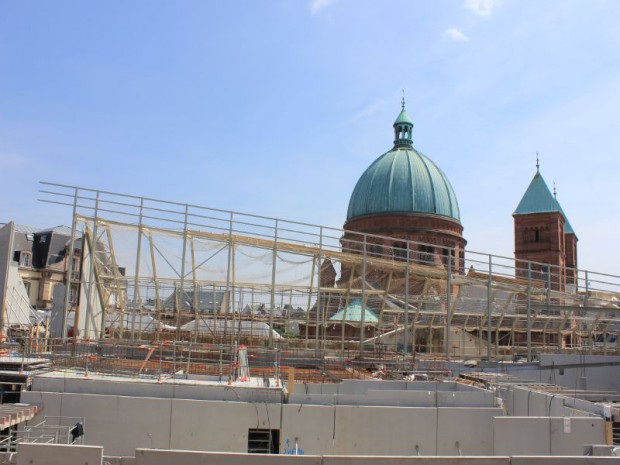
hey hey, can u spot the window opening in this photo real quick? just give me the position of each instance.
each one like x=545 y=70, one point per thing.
x=264 y=441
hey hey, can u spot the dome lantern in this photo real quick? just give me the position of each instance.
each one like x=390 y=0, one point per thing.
x=403 y=127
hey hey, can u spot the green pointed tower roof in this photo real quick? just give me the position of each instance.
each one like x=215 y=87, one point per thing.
x=537 y=198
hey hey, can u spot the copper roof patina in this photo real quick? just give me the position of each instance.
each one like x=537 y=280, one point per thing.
x=403 y=181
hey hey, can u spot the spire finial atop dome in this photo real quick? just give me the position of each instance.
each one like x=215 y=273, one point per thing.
x=555 y=193
x=537 y=162
x=403 y=102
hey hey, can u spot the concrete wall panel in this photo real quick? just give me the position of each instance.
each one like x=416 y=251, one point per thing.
x=184 y=457
x=366 y=460
x=568 y=435
x=564 y=460
x=58 y=454
x=312 y=399
x=465 y=431
x=466 y=399
x=385 y=430
x=44 y=383
x=521 y=436
x=121 y=424
x=301 y=422
x=205 y=425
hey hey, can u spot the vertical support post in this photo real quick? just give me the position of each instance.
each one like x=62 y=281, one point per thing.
x=196 y=302
x=309 y=301
x=70 y=267
x=318 y=290
x=155 y=280
x=272 y=298
x=406 y=322
x=228 y=297
x=363 y=312
x=234 y=330
x=548 y=296
x=529 y=311
x=136 y=281
x=448 y=305
x=181 y=305
x=489 y=305
x=91 y=269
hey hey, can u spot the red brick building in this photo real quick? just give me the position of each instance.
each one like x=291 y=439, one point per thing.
x=543 y=235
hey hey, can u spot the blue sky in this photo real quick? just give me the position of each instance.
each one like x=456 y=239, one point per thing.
x=277 y=107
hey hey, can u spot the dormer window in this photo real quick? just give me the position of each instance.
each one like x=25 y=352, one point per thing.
x=25 y=259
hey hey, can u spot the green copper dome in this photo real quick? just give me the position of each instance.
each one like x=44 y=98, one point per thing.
x=403 y=180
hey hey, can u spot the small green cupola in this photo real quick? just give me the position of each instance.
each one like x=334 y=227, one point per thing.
x=403 y=127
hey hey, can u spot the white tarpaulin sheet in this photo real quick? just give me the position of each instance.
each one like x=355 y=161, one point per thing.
x=243 y=328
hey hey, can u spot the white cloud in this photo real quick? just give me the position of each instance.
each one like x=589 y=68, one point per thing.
x=371 y=109
x=480 y=7
x=318 y=5
x=456 y=35
x=12 y=159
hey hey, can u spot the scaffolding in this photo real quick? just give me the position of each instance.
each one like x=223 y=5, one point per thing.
x=154 y=270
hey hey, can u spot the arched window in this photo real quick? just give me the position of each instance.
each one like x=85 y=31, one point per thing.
x=427 y=254
x=399 y=250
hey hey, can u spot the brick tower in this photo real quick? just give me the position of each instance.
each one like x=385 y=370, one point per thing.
x=544 y=235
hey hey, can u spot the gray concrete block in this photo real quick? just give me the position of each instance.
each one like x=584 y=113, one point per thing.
x=184 y=457
x=521 y=436
x=466 y=399
x=312 y=399
x=465 y=431
x=385 y=430
x=581 y=460
x=568 y=435
x=400 y=398
x=300 y=421
x=58 y=454
x=121 y=424
x=218 y=426
x=438 y=460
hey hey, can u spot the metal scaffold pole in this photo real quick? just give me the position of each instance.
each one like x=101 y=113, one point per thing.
x=91 y=270
x=228 y=266
x=136 y=281
x=529 y=311
x=318 y=292
x=363 y=312
x=489 y=302
x=70 y=269
x=182 y=283
x=406 y=322
x=448 y=305
x=272 y=297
